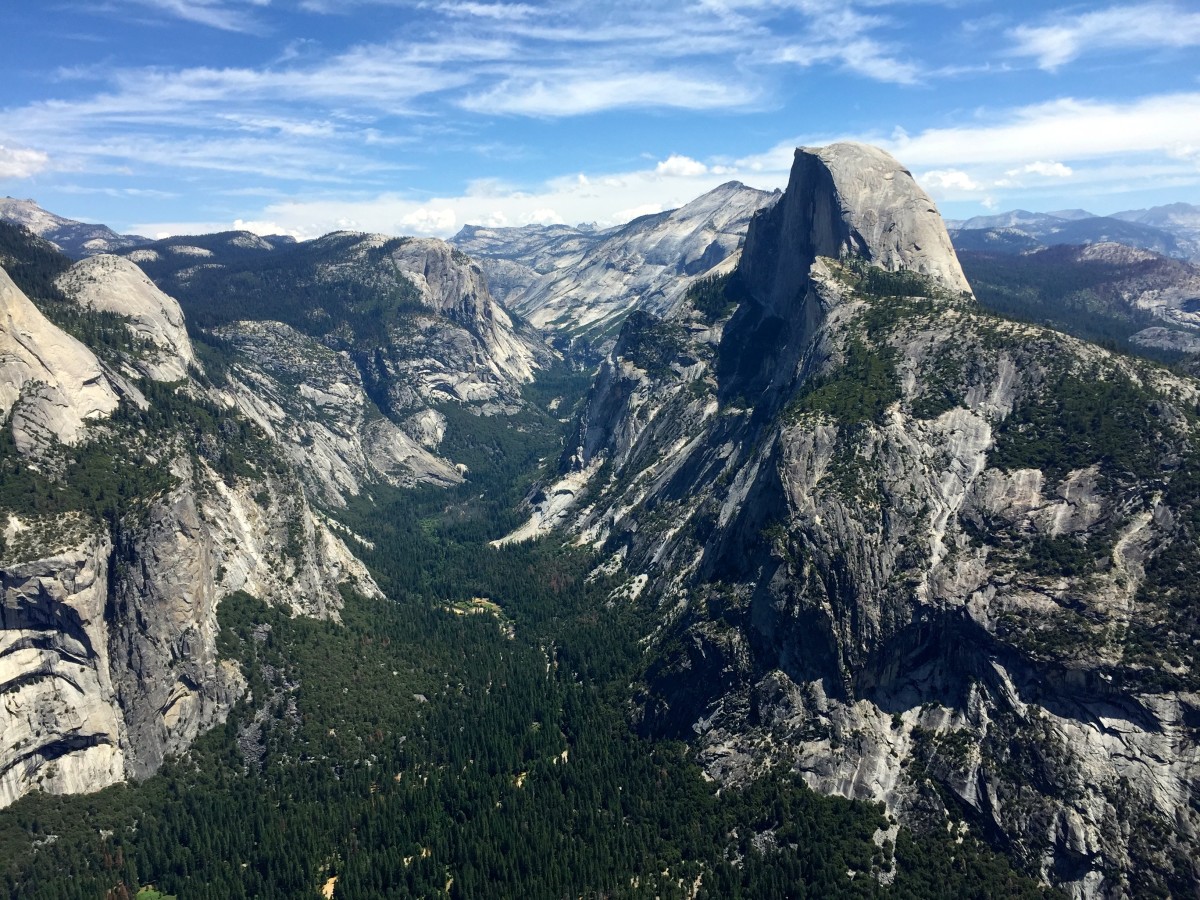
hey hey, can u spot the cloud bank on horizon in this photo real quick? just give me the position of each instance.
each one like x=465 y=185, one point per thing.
x=420 y=116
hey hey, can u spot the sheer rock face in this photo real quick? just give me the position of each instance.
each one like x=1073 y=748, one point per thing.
x=108 y=628
x=108 y=655
x=853 y=582
x=62 y=730
x=50 y=382
x=198 y=543
x=458 y=346
x=453 y=286
x=846 y=199
x=312 y=402
x=112 y=284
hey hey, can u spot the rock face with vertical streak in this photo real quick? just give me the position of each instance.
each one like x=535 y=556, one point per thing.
x=920 y=554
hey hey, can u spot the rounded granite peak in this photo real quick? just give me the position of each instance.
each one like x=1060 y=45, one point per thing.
x=117 y=285
x=892 y=221
x=847 y=199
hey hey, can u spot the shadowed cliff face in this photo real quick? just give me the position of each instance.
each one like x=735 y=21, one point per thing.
x=921 y=554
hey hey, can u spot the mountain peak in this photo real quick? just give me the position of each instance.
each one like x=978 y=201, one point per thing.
x=846 y=199
x=75 y=238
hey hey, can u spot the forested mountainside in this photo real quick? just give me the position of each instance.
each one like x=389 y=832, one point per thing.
x=829 y=582
x=1130 y=299
x=918 y=553
x=132 y=501
x=354 y=350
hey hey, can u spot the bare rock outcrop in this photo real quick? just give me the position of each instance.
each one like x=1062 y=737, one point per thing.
x=138 y=526
x=115 y=285
x=312 y=402
x=62 y=729
x=108 y=658
x=51 y=383
x=584 y=282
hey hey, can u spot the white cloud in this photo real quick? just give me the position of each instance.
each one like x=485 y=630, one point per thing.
x=609 y=199
x=634 y=212
x=1061 y=129
x=543 y=216
x=948 y=180
x=20 y=162
x=264 y=227
x=314 y=115
x=1067 y=36
x=509 y=11
x=428 y=220
x=218 y=14
x=983 y=164
x=1181 y=150
x=678 y=166
x=863 y=56
x=1045 y=169
x=148 y=193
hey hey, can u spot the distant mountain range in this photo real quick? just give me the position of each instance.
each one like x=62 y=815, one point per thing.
x=76 y=239
x=583 y=282
x=1171 y=230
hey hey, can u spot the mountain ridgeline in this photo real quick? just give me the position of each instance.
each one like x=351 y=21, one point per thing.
x=844 y=574
x=921 y=554
x=579 y=284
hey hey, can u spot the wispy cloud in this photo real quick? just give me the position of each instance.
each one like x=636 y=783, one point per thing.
x=575 y=93
x=1098 y=148
x=1064 y=129
x=147 y=193
x=458 y=62
x=1102 y=148
x=503 y=11
x=1064 y=36
x=681 y=166
x=606 y=199
x=226 y=15
x=949 y=180
x=1044 y=169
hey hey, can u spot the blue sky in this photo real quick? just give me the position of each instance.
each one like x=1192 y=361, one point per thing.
x=303 y=116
